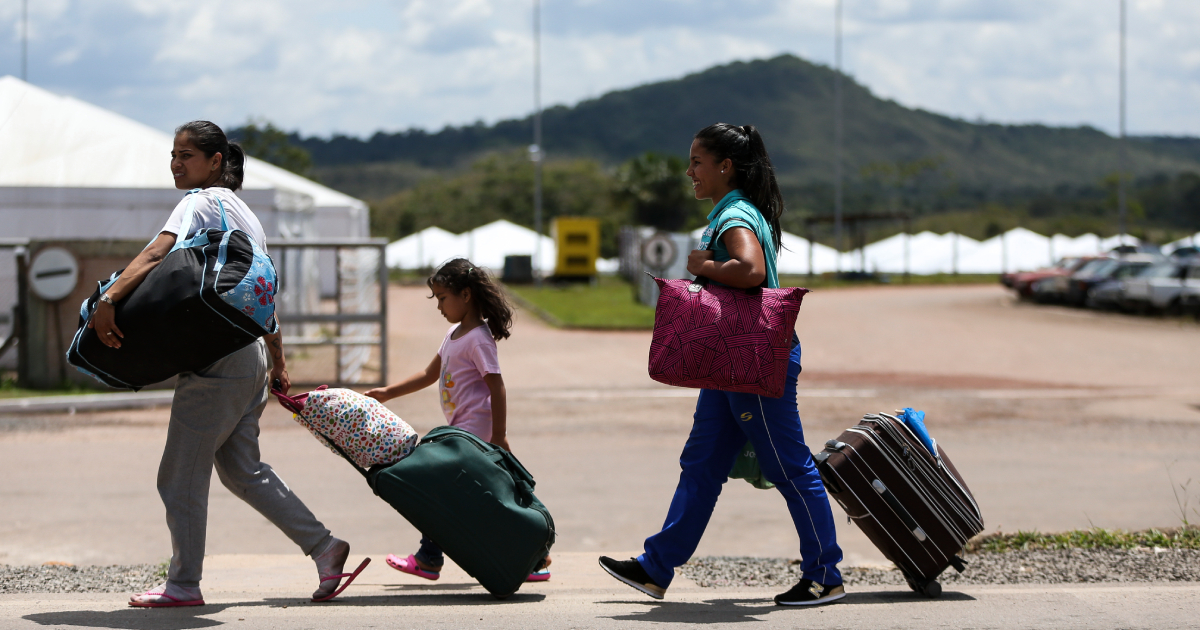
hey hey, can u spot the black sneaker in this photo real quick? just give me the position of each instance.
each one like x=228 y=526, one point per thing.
x=810 y=593
x=631 y=572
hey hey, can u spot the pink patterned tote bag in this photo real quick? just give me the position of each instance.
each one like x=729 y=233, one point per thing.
x=715 y=337
x=368 y=432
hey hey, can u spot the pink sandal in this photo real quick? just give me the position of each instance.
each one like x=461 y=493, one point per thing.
x=349 y=578
x=174 y=602
x=409 y=565
x=541 y=575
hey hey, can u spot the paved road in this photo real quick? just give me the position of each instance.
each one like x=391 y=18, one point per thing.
x=267 y=592
x=1057 y=418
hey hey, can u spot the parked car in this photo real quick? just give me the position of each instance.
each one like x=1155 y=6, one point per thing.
x=1159 y=287
x=1076 y=288
x=1059 y=289
x=1186 y=252
x=1189 y=298
x=1107 y=293
x=1022 y=282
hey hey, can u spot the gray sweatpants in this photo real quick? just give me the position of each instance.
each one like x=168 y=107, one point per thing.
x=214 y=420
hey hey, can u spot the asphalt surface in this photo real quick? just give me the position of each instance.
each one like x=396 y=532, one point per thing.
x=1057 y=418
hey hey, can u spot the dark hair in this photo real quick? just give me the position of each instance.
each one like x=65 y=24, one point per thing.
x=210 y=139
x=459 y=274
x=752 y=169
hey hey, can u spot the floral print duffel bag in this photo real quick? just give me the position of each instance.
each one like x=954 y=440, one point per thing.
x=353 y=425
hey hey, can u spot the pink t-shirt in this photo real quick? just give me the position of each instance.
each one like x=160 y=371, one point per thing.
x=466 y=399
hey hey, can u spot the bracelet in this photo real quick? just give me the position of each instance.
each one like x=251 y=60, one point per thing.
x=104 y=298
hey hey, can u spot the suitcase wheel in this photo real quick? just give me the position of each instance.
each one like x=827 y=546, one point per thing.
x=931 y=589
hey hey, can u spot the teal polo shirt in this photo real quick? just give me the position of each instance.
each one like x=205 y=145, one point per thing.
x=736 y=210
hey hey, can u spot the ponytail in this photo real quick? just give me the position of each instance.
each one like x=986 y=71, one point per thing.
x=235 y=167
x=753 y=172
x=209 y=138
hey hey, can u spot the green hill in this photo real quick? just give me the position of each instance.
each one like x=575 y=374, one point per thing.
x=791 y=101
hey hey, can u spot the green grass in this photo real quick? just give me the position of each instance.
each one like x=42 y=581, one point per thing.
x=610 y=303
x=1095 y=538
x=830 y=281
x=9 y=389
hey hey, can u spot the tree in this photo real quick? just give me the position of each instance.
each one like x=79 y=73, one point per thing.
x=500 y=186
x=658 y=192
x=272 y=144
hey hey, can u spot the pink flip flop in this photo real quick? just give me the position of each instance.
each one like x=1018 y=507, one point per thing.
x=409 y=565
x=349 y=578
x=541 y=575
x=174 y=602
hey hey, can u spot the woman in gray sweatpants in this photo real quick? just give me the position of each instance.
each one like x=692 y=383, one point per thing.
x=215 y=411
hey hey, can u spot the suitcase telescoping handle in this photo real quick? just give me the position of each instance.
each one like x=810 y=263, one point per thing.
x=894 y=503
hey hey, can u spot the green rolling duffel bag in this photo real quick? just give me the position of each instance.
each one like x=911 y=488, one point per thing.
x=475 y=500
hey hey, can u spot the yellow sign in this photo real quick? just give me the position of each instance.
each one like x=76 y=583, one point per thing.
x=578 y=243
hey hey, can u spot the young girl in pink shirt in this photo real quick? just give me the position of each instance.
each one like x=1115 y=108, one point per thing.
x=467 y=371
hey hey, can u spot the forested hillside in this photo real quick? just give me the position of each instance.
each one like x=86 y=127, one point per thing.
x=616 y=157
x=791 y=101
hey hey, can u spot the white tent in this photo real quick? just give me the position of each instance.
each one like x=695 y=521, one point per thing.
x=1187 y=241
x=485 y=246
x=794 y=255
x=69 y=169
x=427 y=248
x=926 y=253
x=1108 y=244
x=1084 y=245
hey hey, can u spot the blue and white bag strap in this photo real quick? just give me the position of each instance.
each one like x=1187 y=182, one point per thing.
x=224 y=223
x=189 y=215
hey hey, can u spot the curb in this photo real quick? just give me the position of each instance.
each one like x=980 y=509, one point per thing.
x=87 y=402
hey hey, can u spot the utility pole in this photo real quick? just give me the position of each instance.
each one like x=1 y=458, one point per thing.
x=837 y=133
x=1121 y=207
x=25 y=40
x=535 y=150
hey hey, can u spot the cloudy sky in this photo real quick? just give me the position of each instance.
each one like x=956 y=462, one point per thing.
x=368 y=65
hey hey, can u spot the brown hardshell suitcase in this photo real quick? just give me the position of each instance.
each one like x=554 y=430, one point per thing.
x=915 y=507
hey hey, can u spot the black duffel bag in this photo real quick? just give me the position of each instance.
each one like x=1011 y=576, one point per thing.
x=211 y=296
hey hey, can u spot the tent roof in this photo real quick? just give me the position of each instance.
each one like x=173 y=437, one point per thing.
x=62 y=142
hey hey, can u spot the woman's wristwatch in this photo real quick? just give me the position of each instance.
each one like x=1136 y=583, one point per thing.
x=107 y=300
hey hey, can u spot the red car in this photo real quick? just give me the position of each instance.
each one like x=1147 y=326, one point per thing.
x=1022 y=281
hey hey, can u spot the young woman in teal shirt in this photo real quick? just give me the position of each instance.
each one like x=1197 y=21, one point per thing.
x=730 y=166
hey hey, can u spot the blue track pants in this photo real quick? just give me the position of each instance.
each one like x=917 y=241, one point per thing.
x=723 y=422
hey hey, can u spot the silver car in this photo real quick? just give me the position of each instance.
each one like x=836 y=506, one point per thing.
x=1159 y=287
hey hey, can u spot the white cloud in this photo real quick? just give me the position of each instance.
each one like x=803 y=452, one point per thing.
x=362 y=65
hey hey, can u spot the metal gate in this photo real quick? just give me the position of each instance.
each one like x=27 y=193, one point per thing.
x=345 y=329
x=12 y=264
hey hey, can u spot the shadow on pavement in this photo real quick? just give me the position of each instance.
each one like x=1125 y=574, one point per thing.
x=739 y=610
x=902 y=597
x=711 y=611
x=481 y=598
x=134 y=618
x=188 y=617
x=440 y=586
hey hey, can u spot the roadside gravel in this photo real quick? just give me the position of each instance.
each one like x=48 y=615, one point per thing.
x=86 y=579
x=1056 y=566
